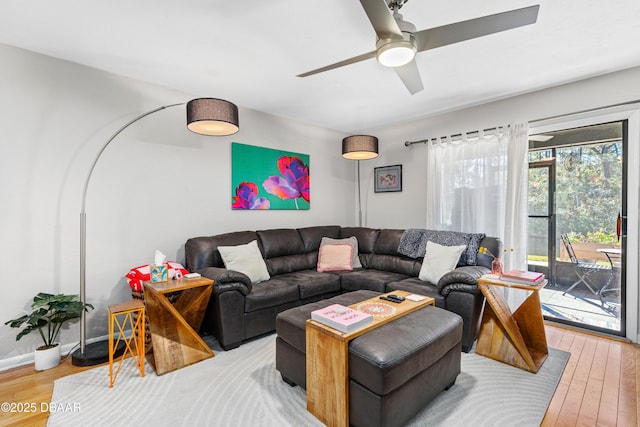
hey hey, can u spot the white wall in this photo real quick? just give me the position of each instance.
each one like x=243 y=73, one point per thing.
x=408 y=208
x=155 y=186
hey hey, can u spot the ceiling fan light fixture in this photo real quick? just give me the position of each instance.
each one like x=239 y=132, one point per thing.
x=395 y=52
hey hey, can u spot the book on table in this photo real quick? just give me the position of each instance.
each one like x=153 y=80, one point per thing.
x=522 y=276
x=342 y=318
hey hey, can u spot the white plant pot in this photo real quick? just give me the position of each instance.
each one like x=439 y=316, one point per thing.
x=47 y=358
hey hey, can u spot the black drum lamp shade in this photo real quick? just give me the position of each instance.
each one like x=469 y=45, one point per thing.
x=360 y=147
x=212 y=116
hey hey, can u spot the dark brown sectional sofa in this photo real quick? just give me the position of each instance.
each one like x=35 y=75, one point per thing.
x=240 y=310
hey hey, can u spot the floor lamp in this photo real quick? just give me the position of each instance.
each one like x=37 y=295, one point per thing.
x=360 y=147
x=205 y=116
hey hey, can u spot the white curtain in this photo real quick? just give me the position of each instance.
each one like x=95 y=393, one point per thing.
x=480 y=185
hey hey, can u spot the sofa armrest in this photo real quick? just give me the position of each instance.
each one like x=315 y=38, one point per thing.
x=227 y=280
x=462 y=279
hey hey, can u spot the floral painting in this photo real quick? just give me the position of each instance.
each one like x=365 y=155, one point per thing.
x=387 y=179
x=263 y=178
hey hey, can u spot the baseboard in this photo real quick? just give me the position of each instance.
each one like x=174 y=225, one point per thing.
x=27 y=358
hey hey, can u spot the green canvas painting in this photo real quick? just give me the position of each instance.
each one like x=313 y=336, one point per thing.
x=264 y=178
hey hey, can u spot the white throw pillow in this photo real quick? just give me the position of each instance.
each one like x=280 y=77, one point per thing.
x=335 y=257
x=438 y=261
x=246 y=259
x=352 y=241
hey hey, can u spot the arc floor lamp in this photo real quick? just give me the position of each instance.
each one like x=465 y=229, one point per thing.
x=360 y=147
x=205 y=116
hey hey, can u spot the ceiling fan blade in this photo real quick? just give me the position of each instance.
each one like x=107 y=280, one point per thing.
x=381 y=19
x=472 y=28
x=410 y=76
x=349 y=61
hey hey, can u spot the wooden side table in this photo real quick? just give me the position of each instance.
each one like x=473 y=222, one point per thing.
x=517 y=338
x=327 y=353
x=174 y=327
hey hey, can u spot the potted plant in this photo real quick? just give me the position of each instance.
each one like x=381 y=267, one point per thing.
x=47 y=317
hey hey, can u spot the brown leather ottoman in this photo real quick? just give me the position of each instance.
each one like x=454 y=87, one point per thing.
x=394 y=370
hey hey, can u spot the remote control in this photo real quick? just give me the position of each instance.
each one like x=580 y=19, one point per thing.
x=396 y=297
x=390 y=299
x=192 y=275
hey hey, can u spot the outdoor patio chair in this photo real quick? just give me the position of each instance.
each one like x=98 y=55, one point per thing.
x=584 y=270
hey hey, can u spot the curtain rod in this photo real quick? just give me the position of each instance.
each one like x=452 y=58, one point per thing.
x=531 y=122
x=620 y=104
x=458 y=136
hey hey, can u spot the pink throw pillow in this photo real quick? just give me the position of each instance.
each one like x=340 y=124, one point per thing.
x=335 y=257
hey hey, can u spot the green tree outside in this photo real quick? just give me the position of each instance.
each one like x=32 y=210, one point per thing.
x=588 y=193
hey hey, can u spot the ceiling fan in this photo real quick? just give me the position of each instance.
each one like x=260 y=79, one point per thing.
x=398 y=41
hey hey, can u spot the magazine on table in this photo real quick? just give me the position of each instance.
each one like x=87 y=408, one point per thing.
x=522 y=276
x=342 y=318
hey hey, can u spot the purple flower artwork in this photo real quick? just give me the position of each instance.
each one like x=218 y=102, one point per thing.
x=247 y=197
x=293 y=182
x=263 y=178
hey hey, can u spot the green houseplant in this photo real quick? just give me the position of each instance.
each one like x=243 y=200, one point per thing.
x=49 y=314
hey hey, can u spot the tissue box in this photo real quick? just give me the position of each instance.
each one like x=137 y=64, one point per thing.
x=159 y=273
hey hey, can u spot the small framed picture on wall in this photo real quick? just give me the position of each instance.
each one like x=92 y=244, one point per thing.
x=387 y=179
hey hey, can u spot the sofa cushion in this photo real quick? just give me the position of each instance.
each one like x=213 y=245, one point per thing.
x=335 y=257
x=271 y=293
x=202 y=252
x=352 y=241
x=312 y=283
x=438 y=261
x=312 y=236
x=371 y=279
x=386 y=257
x=280 y=242
x=246 y=259
x=366 y=241
x=284 y=252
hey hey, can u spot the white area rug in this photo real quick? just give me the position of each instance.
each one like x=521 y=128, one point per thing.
x=241 y=388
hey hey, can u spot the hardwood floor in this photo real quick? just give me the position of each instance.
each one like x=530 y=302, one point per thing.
x=29 y=393
x=600 y=385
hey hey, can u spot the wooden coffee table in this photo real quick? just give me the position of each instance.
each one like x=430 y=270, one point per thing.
x=516 y=338
x=327 y=353
x=174 y=327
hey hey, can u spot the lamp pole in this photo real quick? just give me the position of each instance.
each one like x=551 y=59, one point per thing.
x=205 y=116
x=94 y=356
x=359 y=199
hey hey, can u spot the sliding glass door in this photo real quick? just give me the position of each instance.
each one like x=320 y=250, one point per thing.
x=577 y=211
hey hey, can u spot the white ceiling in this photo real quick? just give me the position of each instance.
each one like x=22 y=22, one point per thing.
x=250 y=51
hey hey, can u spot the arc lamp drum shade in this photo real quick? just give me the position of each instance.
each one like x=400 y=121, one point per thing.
x=360 y=147
x=212 y=116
